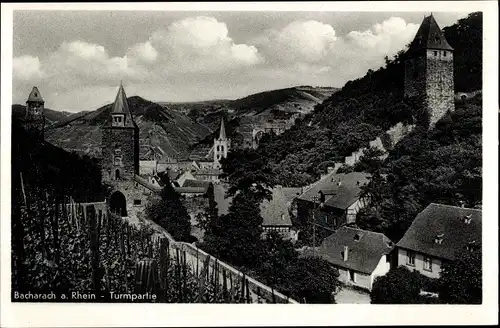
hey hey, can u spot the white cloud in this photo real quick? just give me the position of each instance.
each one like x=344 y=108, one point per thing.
x=26 y=68
x=201 y=44
x=143 y=51
x=308 y=41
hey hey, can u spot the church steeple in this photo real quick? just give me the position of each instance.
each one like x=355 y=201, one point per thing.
x=222 y=133
x=221 y=145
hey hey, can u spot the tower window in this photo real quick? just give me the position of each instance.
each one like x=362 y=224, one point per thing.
x=435 y=53
x=444 y=53
x=117 y=175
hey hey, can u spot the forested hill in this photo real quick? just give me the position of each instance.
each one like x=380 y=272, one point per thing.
x=363 y=109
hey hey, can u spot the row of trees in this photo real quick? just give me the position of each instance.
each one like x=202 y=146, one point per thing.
x=237 y=236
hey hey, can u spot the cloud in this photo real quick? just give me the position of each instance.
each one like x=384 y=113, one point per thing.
x=201 y=44
x=26 y=68
x=308 y=41
x=197 y=57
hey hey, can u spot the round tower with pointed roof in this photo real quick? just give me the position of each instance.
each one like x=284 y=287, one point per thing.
x=221 y=145
x=429 y=86
x=34 y=120
x=120 y=142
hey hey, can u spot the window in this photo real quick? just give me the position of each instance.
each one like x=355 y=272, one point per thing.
x=444 y=53
x=427 y=263
x=118 y=160
x=410 y=258
x=118 y=151
x=137 y=202
x=435 y=53
x=117 y=174
x=352 y=276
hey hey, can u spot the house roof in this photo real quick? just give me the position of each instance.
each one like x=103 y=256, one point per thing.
x=364 y=254
x=120 y=106
x=275 y=212
x=197 y=184
x=338 y=196
x=448 y=220
x=145 y=183
x=35 y=96
x=208 y=172
x=429 y=36
x=190 y=190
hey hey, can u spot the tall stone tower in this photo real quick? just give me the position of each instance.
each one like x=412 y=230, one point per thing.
x=221 y=145
x=429 y=86
x=120 y=143
x=34 y=120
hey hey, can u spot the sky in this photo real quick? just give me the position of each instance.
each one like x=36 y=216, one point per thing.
x=78 y=58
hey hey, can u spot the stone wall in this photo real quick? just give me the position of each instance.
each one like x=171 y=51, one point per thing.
x=385 y=143
x=439 y=84
x=119 y=142
x=197 y=257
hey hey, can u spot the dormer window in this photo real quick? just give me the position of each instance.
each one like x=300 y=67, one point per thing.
x=439 y=238
x=468 y=219
x=357 y=237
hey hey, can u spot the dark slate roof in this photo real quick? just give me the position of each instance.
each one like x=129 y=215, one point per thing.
x=173 y=175
x=364 y=254
x=197 y=184
x=208 y=172
x=449 y=220
x=120 y=106
x=275 y=212
x=35 y=96
x=429 y=36
x=338 y=196
x=145 y=183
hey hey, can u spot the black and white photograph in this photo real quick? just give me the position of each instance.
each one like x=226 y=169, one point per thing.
x=248 y=156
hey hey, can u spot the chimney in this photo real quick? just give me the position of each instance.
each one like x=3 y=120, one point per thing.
x=346 y=253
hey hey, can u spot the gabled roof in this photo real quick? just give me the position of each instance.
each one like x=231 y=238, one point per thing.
x=181 y=190
x=35 y=96
x=275 y=212
x=429 y=36
x=197 y=184
x=363 y=254
x=212 y=171
x=448 y=220
x=338 y=196
x=120 y=106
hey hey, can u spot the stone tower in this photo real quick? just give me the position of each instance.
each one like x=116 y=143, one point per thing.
x=429 y=86
x=120 y=143
x=221 y=145
x=34 y=120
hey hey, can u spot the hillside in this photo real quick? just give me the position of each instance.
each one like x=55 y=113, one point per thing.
x=168 y=129
x=362 y=109
x=179 y=129
x=52 y=117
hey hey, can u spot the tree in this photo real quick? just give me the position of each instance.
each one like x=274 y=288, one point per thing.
x=236 y=236
x=312 y=279
x=461 y=279
x=170 y=213
x=398 y=286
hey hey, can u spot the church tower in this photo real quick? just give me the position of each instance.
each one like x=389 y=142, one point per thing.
x=120 y=143
x=221 y=145
x=34 y=120
x=429 y=86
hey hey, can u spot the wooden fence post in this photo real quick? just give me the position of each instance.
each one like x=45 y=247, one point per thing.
x=163 y=268
x=94 y=247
